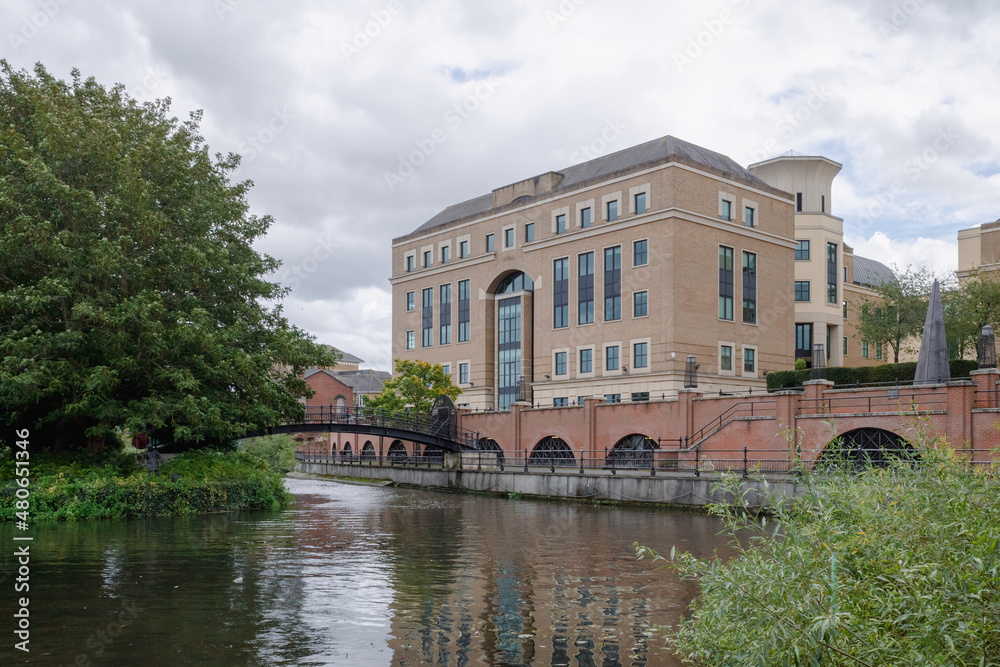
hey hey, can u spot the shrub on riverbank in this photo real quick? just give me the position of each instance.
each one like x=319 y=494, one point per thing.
x=115 y=486
x=895 y=566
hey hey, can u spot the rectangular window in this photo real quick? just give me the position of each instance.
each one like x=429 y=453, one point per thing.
x=726 y=209
x=845 y=310
x=489 y=243
x=803 y=340
x=845 y=345
x=864 y=349
x=427 y=317
x=831 y=273
x=822 y=203
x=725 y=283
x=409 y=263
x=749 y=360
x=640 y=304
x=640 y=203
x=640 y=355
x=411 y=339
x=445 y=254
x=585 y=217
x=749 y=287
x=612 y=211
x=560 y=402
x=446 y=369
x=560 y=293
x=586 y=361
x=611 y=358
x=529 y=232
x=798 y=202
x=411 y=301
x=427 y=258
x=585 y=288
x=726 y=358
x=845 y=273
x=463 y=373
x=463 y=311
x=802 y=250
x=612 y=398
x=560 y=223
x=640 y=396
x=560 y=363
x=640 y=255
x=445 y=316
x=508 y=238
x=613 y=283
x=801 y=290
x=748 y=216
x=463 y=249
x=878 y=350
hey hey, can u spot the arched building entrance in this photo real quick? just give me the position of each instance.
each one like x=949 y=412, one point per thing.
x=514 y=311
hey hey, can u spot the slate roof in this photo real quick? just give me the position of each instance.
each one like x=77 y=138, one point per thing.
x=363 y=381
x=346 y=357
x=870 y=273
x=657 y=150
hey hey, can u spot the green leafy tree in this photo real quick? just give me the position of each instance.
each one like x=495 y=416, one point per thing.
x=416 y=385
x=130 y=294
x=896 y=315
x=968 y=308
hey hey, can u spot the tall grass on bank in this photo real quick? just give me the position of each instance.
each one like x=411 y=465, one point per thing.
x=116 y=486
x=893 y=566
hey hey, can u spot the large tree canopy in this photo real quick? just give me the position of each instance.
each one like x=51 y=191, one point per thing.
x=130 y=295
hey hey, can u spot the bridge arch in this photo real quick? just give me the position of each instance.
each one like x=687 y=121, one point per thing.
x=397 y=451
x=633 y=451
x=368 y=451
x=491 y=445
x=346 y=451
x=867 y=446
x=552 y=450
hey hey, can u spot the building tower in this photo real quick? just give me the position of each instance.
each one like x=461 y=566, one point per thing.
x=820 y=269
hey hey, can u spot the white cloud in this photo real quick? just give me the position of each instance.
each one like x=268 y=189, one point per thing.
x=940 y=256
x=765 y=77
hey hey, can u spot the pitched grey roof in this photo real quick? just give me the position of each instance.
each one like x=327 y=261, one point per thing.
x=346 y=357
x=870 y=273
x=656 y=150
x=363 y=381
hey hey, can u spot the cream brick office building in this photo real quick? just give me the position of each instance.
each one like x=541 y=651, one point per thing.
x=601 y=278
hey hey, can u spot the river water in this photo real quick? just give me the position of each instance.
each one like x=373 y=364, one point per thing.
x=359 y=575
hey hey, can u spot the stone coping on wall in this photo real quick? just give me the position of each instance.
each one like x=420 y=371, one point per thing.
x=844 y=415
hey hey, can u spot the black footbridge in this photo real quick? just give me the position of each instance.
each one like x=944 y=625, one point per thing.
x=439 y=428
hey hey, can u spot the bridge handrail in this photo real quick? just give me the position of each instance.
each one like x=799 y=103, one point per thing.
x=402 y=420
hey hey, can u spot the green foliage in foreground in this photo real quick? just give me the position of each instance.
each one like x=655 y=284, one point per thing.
x=116 y=486
x=897 y=566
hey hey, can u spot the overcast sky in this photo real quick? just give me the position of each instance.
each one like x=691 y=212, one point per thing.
x=360 y=120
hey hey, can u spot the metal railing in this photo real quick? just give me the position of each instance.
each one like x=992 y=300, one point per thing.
x=743 y=409
x=674 y=462
x=907 y=399
x=381 y=419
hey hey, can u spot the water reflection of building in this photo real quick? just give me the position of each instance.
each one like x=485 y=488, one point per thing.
x=571 y=594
